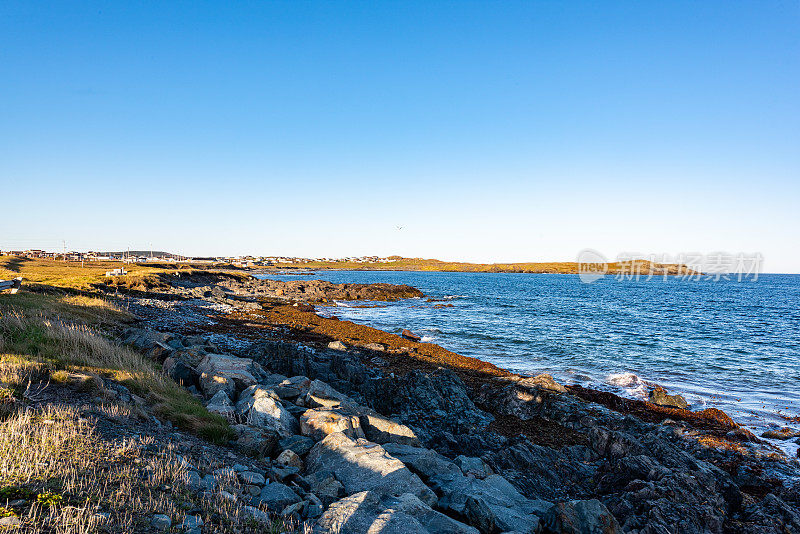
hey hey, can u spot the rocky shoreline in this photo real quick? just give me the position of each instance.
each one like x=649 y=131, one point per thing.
x=355 y=427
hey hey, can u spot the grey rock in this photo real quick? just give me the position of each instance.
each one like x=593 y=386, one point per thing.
x=256 y=442
x=314 y=511
x=297 y=509
x=251 y=477
x=364 y=466
x=337 y=345
x=220 y=404
x=370 y=512
x=471 y=466
x=261 y=407
x=192 y=522
x=289 y=458
x=252 y=489
x=581 y=517
x=226 y=373
x=490 y=504
x=276 y=497
x=299 y=444
x=251 y=512
x=160 y=522
x=381 y=429
x=325 y=486
x=193 y=480
x=322 y=395
x=493 y=504
x=180 y=372
x=317 y=424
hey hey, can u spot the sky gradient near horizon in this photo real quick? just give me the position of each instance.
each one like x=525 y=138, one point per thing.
x=478 y=131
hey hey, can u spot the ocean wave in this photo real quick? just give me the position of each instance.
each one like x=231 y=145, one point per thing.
x=450 y=297
x=426 y=339
x=341 y=304
x=630 y=382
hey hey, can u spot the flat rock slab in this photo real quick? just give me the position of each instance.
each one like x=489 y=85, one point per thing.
x=368 y=512
x=361 y=465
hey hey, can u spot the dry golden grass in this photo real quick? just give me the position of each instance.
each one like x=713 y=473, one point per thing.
x=59 y=475
x=89 y=275
x=74 y=308
x=62 y=274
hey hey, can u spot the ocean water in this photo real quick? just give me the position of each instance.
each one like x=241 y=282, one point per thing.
x=724 y=344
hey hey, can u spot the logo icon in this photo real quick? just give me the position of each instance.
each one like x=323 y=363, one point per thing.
x=592 y=265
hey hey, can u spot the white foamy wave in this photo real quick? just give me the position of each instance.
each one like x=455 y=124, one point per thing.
x=426 y=339
x=630 y=382
x=341 y=304
x=449 y=297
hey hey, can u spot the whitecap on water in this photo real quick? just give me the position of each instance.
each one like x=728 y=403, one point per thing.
x=426 y=339
x=630 y=382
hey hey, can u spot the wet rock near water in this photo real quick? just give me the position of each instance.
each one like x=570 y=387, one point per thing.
x=660 y=397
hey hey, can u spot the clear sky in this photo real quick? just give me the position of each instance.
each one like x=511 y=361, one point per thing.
x=483 y=131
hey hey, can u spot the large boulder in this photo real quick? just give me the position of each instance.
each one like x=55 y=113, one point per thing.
x=317 y=424
x=581 y=517
x=368 y=512
x=226 y=373
x=261 y=407
x=361 y=465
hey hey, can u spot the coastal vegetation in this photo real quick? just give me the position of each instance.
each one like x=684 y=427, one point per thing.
x=398 y=263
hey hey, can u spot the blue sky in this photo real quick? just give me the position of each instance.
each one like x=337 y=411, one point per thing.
x=484 y=131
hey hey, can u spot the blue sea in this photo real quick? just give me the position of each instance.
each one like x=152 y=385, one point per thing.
x=725 y=344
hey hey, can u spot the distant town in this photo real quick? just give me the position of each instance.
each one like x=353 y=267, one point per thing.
x=144 y=256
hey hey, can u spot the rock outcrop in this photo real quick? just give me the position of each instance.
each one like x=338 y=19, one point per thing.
x=364 y=466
